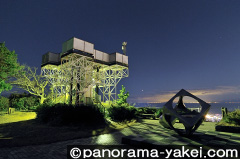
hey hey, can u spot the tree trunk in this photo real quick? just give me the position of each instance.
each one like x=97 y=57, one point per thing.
x=71 y=87
x=77 y=95
x=42 y=99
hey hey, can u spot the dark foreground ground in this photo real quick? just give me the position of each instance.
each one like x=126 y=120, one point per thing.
x=140 y=132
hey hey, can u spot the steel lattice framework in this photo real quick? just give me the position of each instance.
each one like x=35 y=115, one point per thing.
x=110 y=77
x=77 y=74
x=54 y=75
x=82 y=74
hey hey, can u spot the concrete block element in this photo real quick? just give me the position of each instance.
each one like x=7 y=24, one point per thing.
x=78 y=44
x=51 y=58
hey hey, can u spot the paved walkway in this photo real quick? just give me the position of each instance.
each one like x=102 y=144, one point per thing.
x=152 y=134
x=147 y=131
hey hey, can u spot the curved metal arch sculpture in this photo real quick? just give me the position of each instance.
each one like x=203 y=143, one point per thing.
x=190 y=119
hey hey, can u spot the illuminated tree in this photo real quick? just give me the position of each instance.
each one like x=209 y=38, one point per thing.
x=122 y=96
x=28 y=80
x=8 y=67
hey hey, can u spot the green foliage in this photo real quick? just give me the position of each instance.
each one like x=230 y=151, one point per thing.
x=148 y=110
x=8 y=66
x=63 y=114
x=122 y=96
x=4 y=86
x=159 y=112
x=48 y=101
x=4 y=103
x=233 y=117
x=31 y=102
x=19 y=104
x=122 y=113
x=23 y=101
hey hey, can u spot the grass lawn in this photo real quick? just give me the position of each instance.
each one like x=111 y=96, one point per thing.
x=210 y=126
x=21 y=128
x=223 y=123
x=17 y=116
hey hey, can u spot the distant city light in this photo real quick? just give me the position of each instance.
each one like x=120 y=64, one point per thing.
x=213 y=117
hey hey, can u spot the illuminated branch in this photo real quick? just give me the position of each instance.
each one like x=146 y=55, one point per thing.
x=28 y=80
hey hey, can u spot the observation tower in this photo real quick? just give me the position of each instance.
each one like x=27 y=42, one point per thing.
x=81 y=74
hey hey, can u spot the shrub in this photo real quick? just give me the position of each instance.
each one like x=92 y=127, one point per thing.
x=122 y=113
x=23 y=101
x=4 y=103
x=147 y=110
x=233 y=117
x=122 y=96
x=48 y=101
x=159 y=112
x=31 y=102
x=17 y=103
x=63 y=114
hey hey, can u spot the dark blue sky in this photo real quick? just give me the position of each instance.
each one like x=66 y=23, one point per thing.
x=172 y=44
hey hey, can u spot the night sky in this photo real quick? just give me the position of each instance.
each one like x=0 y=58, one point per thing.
x=172 y=44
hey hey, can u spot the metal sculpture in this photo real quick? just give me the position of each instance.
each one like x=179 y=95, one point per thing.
x=190 y=119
